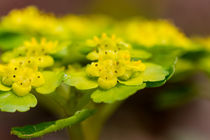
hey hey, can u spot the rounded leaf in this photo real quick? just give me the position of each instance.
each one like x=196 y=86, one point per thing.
x=10 y=102
x=153 y=73
x=80 y=80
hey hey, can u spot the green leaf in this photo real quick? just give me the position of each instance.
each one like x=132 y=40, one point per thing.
x=10 y=102
x=52 y=81
x=119 y=92
x=38 y=130
x=10 y=40
x=137 y=53
x=153 y=73
x=80 y=80
x=137 y=80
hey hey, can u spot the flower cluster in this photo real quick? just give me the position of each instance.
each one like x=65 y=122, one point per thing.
x=31 y=20
x=154 y=33
x=39 y=52
x=23 y=70
x=112 y=61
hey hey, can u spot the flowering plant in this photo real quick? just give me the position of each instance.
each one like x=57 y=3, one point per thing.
x=81 y=68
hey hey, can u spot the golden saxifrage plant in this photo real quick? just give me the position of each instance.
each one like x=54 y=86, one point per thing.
x=83 y=67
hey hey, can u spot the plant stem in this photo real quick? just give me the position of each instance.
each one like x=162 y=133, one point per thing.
x=92 y=126
x=75 y=132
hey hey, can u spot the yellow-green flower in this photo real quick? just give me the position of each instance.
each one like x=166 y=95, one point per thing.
x=21 y=71
x=154 y=33
x=38 y=52
x=21 y=75
x=30 y=19
x=113 y=61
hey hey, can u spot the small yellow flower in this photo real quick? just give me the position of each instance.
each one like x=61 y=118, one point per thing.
x=21 y=74
x=36 y=53
x=34 y=48
x=31 y=20
x=113 y=61
x=154 y=33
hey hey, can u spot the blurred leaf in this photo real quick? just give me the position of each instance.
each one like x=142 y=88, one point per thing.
x=10 y=40
x=10 y=102
x=38 y=130
x=140 y=54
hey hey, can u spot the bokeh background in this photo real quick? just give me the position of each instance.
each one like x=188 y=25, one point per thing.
x=137 y=118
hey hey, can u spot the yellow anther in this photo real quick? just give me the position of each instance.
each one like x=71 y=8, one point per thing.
x=107 y=83
x=44 y=61
x=21 y=88
x=94 y=69
x=107 y=54
x=137 y=66
x=37 y=79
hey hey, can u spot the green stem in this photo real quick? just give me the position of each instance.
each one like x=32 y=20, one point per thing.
x=64 y=104
x=75 y=132
x=92 y=126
